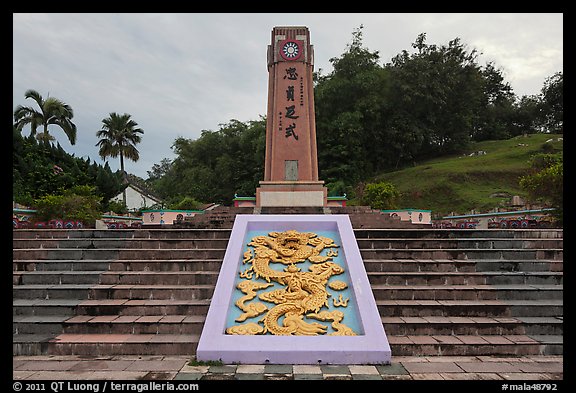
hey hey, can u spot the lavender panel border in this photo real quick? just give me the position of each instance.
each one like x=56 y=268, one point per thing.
x=370 y=348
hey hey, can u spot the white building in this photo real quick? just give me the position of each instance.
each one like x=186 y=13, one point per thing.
x=137 y=198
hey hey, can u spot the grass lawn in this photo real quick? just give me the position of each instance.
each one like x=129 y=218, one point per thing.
x=460 y=183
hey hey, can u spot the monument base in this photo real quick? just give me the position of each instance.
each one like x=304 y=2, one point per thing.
x=291 y=194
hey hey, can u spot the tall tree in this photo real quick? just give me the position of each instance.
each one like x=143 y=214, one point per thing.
x=118 y=137
x=216 y=166
x=436 y=93
x=496 y=111
x=52 y=111
x=552 y=106
x=348 y=104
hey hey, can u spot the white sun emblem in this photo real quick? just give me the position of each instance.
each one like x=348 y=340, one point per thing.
x=290 y=50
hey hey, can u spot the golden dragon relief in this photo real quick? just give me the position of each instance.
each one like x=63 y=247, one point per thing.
x=303 y=294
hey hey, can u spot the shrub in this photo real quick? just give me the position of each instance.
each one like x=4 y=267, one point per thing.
x=79 y=204
x=381 y=195
x=117 y=207
x=186 y=203
x=547 y=185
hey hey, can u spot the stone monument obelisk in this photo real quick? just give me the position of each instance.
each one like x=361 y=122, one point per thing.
x=291 y=164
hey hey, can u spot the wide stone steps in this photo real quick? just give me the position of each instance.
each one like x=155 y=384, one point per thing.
x=116 y=265
x=182 y=277
x=192 y=324
x=110 y=344
x=158 y=234
x=110 y=324
x=439 y=292
x=101 y=307
x=204 y=291
x=363 y=243
x=215 y=233
x=460 y=234
x=462 y=266
x=78 y=254
x=117 y=243
x=52 y=277
x=464 y=278
x=218 y=253
x=132 y=292
x=470 y=308
x=472 y=326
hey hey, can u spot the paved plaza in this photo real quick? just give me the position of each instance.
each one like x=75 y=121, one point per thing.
x=177 y=368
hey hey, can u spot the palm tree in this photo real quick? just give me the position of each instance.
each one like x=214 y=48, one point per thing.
x=118 y=137
x=52 y=111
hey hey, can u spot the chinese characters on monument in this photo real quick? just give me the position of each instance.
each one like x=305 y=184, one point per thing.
x=291 y=165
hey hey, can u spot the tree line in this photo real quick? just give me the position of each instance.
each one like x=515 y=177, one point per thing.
x=370 y=118
x=41 y=168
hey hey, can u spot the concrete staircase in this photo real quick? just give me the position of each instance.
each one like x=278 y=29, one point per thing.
x=147 y=291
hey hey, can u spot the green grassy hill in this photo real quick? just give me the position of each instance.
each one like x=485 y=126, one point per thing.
x=460 y=183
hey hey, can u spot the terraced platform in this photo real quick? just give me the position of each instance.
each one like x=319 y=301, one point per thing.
x=147 y=291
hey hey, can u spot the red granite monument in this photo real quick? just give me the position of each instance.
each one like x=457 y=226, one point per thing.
x=291 y=164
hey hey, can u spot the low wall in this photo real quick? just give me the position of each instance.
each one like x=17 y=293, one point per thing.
x=415 y=216
x=166 y=216
x=24 y=218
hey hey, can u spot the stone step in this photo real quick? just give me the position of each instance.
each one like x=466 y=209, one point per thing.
x=363 y=243
x=156 y=277
x=512 y=265
x=164 y=233
x=476 y=243
x=464 y=278
x=51 y=277
x=467 y=292
x=374 y=233
x=472 y=326
x=45 y=307
x=211 y=253
x=470 y=308
x=386 y=308
x=464 y=345
x=462 y=265
x=110 y=344
x=119 y=243
x=502 y=270
x=38 y=324
x=159 y=291
x=158 y=265
x=371 y=265
x=117 y=254
x=103 y=292
x=72 y=307
x=379 y=233
x=462 y=253
x=177 y=344
x=59 y=277
x=184 y=324
x=109 y=324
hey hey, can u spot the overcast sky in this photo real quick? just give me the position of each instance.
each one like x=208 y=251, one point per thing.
x=179 y=74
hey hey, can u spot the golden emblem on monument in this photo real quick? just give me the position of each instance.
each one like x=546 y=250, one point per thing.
x=302 y=295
